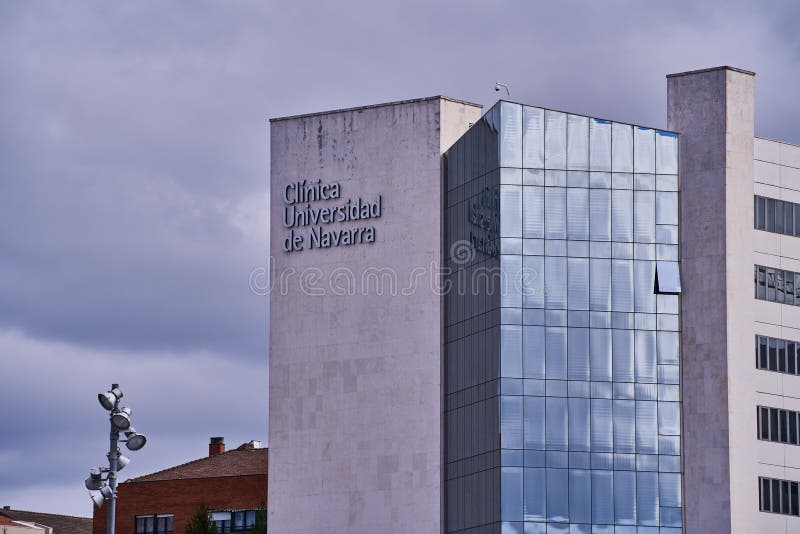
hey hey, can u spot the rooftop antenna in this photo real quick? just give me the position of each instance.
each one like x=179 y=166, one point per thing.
x=498 y=85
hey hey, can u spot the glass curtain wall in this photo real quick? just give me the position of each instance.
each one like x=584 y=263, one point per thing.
x=562 y=361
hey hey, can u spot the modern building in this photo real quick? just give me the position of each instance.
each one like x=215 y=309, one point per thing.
x=24 y=522
x=231 y=484
x=529 y=321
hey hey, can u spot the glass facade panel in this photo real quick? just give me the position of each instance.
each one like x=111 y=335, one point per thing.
x=555 y=140
x=568 y=399
x=577 y=142
x=533 y=137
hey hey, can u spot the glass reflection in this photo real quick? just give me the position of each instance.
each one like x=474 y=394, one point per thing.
x=555 y=141
x=577 y=142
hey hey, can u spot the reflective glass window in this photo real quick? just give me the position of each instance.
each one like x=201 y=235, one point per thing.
x=600 y=214
x=535 y=494
x=555 y=204
x=555 y=144
x=557 y=495
x=533 y=212
x=533 y=137
x=578 y=354
x=556 y=430
x=644 y=216
x=578 y=213
x=534 y=422
x=599 y=145
x=511 y=493
x=510 y=211
x=510 y=135
x=666 y=152
x=622 y=147
x=622 y=215
x=644 y=153
x=577 y=142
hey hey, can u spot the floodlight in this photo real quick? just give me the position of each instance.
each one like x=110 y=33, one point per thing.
x=122 y=419
x=109 y=399
x=122 y=461
x=95 y=481
x=100 y=496
x=135 y=441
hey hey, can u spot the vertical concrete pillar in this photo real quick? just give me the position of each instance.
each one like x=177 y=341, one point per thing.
x=713 y=111
x=355 y=331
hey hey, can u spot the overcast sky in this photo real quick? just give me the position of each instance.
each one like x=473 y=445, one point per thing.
x=134 y=180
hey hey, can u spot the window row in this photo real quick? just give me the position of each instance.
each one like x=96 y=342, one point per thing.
x=597 y=354
x=595 y=284
x=588 y=214
x=778 y=496
x=779 y=216
x=777 y=285
x=538 y=138
x=775 y=424
x=588 y=425
x=234 y=521
x=779 y=355
x=600 y=497
x=154 y=524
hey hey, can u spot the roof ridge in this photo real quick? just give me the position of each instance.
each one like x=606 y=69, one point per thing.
x=192 y=462
x=44 y=513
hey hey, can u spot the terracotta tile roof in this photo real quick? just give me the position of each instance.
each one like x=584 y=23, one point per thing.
x=237 y=462
x=61 y=524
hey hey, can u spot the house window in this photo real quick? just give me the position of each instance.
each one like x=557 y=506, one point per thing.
x=234 y=520
x=154 y=524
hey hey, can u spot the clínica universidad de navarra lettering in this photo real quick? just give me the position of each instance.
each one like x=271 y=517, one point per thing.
x=299 y=212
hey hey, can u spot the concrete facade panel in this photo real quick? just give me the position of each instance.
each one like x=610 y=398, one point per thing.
x=355 y=385
x=790 y=155
x=767 y=150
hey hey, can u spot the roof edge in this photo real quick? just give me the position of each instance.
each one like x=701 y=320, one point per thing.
x=373 y=106
x=711 y=69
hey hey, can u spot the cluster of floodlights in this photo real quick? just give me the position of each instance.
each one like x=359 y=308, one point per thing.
x=102 y=481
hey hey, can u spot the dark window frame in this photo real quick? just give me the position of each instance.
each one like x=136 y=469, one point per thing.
x=155 y=523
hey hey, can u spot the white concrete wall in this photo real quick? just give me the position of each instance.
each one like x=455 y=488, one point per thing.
x=355 y=379
x=776 y=175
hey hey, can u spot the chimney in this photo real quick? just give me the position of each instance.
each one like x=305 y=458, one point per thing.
x=216 y=446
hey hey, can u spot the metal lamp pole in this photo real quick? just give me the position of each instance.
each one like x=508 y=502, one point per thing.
x=105 y=489
x=113 y=456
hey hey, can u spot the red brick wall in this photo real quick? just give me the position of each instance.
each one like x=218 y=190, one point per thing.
x=181 y=498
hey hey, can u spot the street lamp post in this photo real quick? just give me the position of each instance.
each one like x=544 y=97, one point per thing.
x=105 y=489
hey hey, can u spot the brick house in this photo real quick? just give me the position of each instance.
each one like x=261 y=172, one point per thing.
x=24 y=522
x=232 y=484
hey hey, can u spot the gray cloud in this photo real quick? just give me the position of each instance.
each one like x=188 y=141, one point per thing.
x=134 y=178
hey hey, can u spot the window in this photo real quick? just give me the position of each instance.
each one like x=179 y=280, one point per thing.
x=777 y=216
x=778 y=496
x=668 y=278
x=154 y=524
x=779 y=355
x=233 y=520
x=777 y=425
x=774 y=285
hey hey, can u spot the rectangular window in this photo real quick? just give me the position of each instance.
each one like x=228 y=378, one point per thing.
x=770 y=215
x=780 y=426
x=668 y=278
x=778 y=216
x=770 y=284
x=760 y=219
x=154 y=524
x=781 y=355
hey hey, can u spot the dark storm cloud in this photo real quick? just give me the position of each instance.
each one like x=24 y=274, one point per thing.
x=134 y=178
